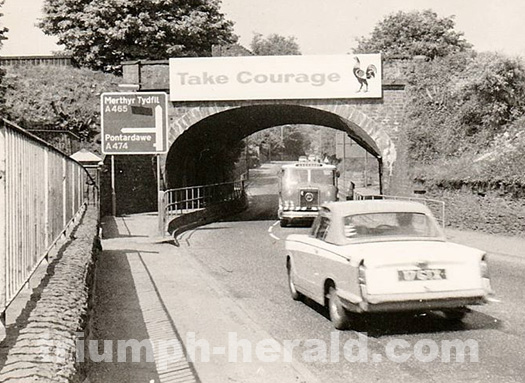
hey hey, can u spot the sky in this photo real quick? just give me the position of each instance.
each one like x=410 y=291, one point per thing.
x=319 y=26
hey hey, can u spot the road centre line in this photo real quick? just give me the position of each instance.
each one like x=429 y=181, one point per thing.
x=270 y=229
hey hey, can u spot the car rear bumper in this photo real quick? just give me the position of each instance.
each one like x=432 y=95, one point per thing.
x=419 y=302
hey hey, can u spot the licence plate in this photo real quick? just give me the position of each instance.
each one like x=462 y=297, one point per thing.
x=422 y=275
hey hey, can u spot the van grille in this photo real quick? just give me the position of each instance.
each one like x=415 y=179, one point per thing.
x=309 y=198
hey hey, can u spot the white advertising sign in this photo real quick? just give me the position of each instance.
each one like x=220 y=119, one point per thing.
x=275 y=77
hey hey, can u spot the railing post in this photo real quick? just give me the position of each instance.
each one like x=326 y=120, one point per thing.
x=47 y=188
x=162 y=212
x=64 y=192
x=3 y=218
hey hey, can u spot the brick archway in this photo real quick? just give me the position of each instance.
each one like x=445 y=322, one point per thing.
x=359 y=125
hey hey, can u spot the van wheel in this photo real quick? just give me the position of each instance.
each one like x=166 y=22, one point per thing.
x=338 y=314
x=296 y=295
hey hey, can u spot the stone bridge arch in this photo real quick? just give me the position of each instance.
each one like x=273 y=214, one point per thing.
x=241 y=120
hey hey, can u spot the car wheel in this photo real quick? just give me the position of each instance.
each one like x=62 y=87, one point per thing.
x=456 y=314
x=338 y=314
x=284 y=222
x=296 y=295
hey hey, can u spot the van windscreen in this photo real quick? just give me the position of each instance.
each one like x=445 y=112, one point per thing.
x=322 y=176
x=294 y=176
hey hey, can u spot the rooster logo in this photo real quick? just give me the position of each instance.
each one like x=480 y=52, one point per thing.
x=363 y=76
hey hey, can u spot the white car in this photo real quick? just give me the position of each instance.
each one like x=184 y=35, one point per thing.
x=380 y=256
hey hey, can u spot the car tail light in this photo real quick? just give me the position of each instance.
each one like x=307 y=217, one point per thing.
x=485 y=278
x=362 y=273
x=484 y=267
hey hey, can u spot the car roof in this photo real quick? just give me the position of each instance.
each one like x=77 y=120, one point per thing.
x=341 y=209
x=344 y=208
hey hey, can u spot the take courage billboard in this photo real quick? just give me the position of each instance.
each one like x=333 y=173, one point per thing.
x=275 y=77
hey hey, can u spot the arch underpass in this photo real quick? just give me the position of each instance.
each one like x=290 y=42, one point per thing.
x=193 y=153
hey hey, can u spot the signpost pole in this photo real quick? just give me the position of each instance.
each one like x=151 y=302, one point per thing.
x=160 y=198
x=113 y=192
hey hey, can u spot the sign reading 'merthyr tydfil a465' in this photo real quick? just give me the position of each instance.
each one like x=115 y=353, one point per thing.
x=275 y=77
x=134 y=122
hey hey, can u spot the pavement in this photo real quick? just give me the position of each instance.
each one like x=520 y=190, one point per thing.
x=172 y=305
x=494 y=244
x=183 y=307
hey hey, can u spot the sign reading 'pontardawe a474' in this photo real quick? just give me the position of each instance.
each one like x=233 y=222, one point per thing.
x=134 y=122
x=275 y=77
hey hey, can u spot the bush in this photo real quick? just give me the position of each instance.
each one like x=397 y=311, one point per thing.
x=52 y=97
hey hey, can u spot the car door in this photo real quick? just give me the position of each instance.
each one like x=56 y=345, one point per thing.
x=300 y=246
x=312 y=268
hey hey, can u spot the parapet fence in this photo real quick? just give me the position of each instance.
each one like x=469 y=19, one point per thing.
x=176 y=202
x=42 y=193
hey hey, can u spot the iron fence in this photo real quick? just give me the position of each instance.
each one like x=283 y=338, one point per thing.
x=42 y=192
x=175 y=202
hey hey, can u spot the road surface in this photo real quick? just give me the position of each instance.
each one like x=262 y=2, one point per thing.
x=254 y=274
x=227 y=280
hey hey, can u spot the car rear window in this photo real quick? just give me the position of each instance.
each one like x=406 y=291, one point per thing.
x=391 y=224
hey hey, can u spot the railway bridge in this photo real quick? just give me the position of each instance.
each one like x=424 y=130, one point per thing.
x=201 y=130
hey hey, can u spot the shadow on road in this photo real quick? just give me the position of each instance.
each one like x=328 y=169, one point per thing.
x=262 y=207
x=388 y=324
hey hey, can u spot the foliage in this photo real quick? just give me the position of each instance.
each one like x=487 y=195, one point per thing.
x=286 y=142
x=3 y=32
x=432 y=125
x=493 y=94
x=51 y=97
x=100 y=34
x=460 y=103
x=295 y=142
x=408 y=34
x=274 y=45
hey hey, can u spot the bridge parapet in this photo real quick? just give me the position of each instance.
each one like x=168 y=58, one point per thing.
x=176 y=203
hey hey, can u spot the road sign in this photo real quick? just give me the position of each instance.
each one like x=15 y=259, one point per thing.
x=134 y=122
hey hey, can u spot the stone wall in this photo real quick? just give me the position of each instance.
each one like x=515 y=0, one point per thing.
x=44 y=349
x=480 y=207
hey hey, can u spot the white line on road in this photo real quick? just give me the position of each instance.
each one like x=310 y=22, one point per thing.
x=490 y=299
x=270 y=231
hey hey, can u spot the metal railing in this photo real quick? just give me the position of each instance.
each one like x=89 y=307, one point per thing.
x=436 y=207
x=42 y=192
x=175 y=202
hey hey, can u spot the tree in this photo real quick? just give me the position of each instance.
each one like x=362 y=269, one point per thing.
x=492 y=94
x=408 y=34
x=36 y=100
x=274 y=45
x=100 y=34
x=3 y=31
